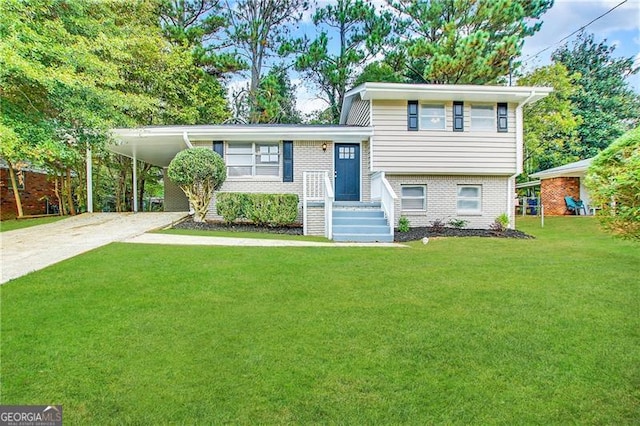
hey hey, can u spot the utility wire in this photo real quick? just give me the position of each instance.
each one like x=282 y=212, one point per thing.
x=576 y=31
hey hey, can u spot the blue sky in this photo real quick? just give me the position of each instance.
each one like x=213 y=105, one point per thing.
x=620 y=28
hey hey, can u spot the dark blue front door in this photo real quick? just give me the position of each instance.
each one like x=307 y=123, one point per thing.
x=347 y=175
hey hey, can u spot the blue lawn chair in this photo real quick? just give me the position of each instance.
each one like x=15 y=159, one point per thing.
x=574 y=206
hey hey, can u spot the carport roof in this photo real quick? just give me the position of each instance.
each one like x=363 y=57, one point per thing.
x=576 y=169
x=158 y=145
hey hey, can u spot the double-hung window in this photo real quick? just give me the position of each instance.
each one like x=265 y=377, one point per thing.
x=267 y=160
x=469 y=199
x=414 y=197
x=253 y=159
x=483 y=118
x=432 y=117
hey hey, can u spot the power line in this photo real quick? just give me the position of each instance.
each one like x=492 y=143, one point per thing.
x=577 y=31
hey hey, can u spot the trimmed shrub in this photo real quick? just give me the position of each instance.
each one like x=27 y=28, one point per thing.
x=198 y=172
x=261 y=209
x=232 y=205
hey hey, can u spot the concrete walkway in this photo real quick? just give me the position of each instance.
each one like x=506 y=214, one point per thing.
x=248 y=242
x=30 y=249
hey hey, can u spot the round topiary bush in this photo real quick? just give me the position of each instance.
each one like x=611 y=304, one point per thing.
x=199 y=172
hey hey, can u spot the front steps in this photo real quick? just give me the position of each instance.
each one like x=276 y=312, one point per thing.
x=360 y=222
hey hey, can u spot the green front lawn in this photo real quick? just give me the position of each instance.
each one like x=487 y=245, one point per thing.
x=461 y=330
x=11 y=224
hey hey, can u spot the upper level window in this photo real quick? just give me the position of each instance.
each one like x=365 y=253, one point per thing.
x=483 y=118
x=432 y=117
x=414 y=197
x=253 y=159
x=469 y=199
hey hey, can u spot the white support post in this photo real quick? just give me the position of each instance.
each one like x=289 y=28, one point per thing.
x=135 y=183
x=89 y=181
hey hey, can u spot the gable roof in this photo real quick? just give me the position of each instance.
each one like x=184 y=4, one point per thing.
x=442 y=92
x=574 y=169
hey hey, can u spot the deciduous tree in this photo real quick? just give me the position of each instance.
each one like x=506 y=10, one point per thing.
x=550 y=125
x=606 y=102
x=614 y=181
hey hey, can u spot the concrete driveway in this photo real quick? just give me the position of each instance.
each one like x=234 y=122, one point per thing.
x=30 y=249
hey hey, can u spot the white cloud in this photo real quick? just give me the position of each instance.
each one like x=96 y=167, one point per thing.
x=307 y=99
x=619 y=27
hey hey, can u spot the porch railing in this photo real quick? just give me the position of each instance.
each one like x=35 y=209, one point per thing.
x=382 y=191
x=316 y=188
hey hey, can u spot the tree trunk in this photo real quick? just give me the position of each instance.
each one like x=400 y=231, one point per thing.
x=121 y=187
x=14 y=185
x=72 y=208
x=57 y=187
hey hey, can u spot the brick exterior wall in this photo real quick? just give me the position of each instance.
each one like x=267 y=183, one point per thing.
x=553 y=191
x=307 y=156
x=315 y=219
x=442 y=198
x=36 y=186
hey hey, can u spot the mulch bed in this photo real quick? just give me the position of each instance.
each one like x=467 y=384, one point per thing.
x=238 y=227
x=426 y=231
x=414 y=234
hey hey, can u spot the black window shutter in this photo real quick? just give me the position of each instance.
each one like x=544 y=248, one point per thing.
x=412 y=115
x=287 y=161
x=218 y=146
x=502 y=117
x=458 y=116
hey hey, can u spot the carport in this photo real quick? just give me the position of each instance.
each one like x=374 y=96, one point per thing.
x=158 y=145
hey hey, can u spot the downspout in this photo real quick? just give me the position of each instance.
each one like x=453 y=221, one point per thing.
x=186 y=140
x=371 y=137
x=519 y=157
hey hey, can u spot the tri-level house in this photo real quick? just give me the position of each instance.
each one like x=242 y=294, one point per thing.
x=425 y=152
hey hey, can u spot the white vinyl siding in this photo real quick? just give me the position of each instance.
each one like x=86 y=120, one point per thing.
x=483 y=118
x=432 y=117
x=253 y=159
x=414 y=197
x=396 y=150
x=469 y=199
x=359 y=114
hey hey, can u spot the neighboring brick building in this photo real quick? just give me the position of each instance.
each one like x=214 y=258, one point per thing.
x=559 y=182
x=35 y=187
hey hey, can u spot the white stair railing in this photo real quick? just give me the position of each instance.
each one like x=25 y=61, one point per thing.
x=382 y=191
x=316 y=187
